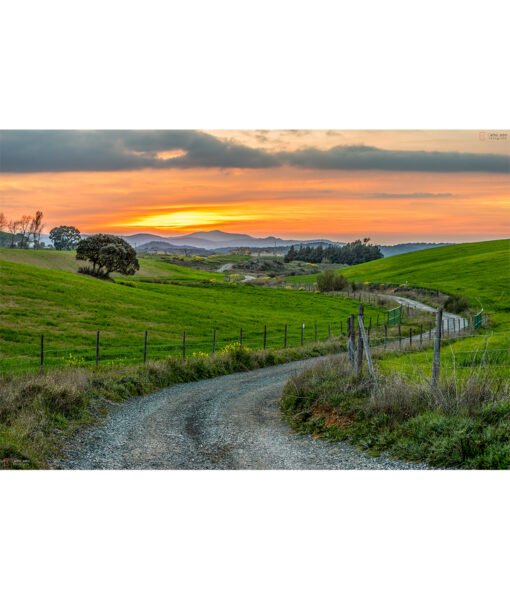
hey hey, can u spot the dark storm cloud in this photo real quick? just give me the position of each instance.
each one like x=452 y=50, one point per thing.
x=371 y=158
x=58 y=151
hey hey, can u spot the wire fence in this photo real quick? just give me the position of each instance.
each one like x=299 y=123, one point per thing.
x=103 y=349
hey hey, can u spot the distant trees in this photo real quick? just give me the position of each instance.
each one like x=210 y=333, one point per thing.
x=329 y=281
x=65 y=237
x=107 y=253
x=353 y=253
x=23 y=232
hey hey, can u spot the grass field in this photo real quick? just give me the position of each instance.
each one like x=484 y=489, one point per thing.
x=68 y=309
x=65 y=261
x=480 y=270
x=465 y=422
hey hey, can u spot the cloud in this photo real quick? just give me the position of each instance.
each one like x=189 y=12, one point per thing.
x=61 y=151
x=58 y=151
x=383 y=195
x=371 y=158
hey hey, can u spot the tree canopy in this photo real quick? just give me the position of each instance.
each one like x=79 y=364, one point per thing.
x=65 y=237
x=353 y=253
x=107 y=253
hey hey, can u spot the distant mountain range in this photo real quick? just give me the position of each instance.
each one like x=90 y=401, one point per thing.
x=221 y=242
x=211 y=240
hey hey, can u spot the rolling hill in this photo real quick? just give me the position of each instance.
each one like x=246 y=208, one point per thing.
x=69 y=308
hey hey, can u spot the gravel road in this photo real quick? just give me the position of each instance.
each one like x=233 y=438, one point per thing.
x=229 y=422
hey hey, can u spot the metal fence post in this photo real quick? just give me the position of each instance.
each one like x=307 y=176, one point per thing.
x=265 y=336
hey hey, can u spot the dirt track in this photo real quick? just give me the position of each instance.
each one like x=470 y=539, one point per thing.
x=230 y=422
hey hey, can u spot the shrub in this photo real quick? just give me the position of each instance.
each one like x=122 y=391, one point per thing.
x=456 y=304
x=329 y=281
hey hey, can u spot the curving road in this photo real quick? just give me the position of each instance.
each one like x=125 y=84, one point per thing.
x=230 y=422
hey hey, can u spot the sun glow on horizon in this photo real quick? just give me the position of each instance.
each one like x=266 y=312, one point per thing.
x=184 y=220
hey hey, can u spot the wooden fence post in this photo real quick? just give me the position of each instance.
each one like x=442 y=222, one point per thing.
x=265 y=336
x=145 y=348
x=366 y=345
x=285 y=337
x=437 y=348
x=183 y=345
x=41 y=367
x=359 y=357
x=214 y=342
x=97 y=348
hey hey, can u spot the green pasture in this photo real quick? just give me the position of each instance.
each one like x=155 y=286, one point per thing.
x=69 y=308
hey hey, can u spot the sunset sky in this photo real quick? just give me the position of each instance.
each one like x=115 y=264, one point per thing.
x=392 y=186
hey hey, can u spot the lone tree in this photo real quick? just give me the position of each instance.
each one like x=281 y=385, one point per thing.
x=65 y=237
x=107 y=253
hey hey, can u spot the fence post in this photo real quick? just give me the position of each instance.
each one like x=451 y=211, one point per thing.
x=97 y=348
x=183 y=345
x=265 y=336
x=454 y=330
x=366 y=345
x=285 y=337
x=214 y=342
x=359 y=357
x=447 y=327
x=385 y=335
x=145 y=348
x=41 y=367
x=430 y=331
x=241 y=336
x=350 y=340
x=421 y=334
x=437 y=347
x=302 y=333
x=410 y=337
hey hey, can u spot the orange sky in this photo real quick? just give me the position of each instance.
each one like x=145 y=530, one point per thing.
x=388 y=206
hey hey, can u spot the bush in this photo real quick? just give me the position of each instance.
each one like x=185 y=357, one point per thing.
x=329 y=281
x=456 y=304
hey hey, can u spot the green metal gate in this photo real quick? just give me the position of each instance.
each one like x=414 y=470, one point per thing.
x=477 y=320
x=395 y=316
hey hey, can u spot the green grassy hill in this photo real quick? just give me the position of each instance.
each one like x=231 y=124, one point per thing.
x=68 y=309
x=66 y=261
x=480 y=271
